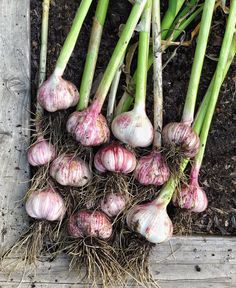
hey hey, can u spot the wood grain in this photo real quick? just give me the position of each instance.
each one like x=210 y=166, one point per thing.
x=186 y=262
x=14 y=116
x=195 y=262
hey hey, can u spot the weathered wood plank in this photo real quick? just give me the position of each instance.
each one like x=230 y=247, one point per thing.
x=167 y=261
x=195 y=262
x=14 y=115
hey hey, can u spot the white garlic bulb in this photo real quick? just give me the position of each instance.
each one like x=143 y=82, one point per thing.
x=45 y=204
x=151 y=221
x=133 y=128
x=41 y=152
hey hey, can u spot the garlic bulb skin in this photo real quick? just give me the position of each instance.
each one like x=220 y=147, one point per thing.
x=45 y=204
x=191 y=197
x=90 y=223
x=183 y=137
x=57 y=94
x=152 y=169
x=151 y=221
x=69 y=170
x=133 y=128
x=41 y=152
x=115 y=158
x=88 y=127
x=113 y=204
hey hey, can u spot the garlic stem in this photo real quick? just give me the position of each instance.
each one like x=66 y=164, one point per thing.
x=119 y=51
x=92 y=53
x=157 y=73
x=219 y=75
x=143 y=49
x=187 y=21
x=172 y=11
x=189 y=107
x=126 y=99
x=43 y=57
x=169 y=188
x=44 y=42
x=200 y=116
x=71 y=38
x=113 y=92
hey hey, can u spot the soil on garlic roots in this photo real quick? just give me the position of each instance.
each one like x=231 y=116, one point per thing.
x=218 y=172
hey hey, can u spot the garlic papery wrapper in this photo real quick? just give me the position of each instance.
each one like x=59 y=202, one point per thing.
x=182 y=137
x=191 y=197
x=113 y=204
x=57 y=94
x=41 y=152
x=133 y=128
x=90 y=223
x=151 y=221
x=69 y=170
x=115 y=158
x=88 y=127
x=152 y=169
x=45 y=204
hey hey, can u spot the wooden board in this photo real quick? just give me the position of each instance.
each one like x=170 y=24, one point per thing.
x=14 y=115
x=195 y=262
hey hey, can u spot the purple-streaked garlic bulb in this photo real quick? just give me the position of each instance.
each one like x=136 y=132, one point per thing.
x=89 y=127
x=152 y=169
x=57 y=94
x=115 y=158
x=69 y=170
x=182 y=137
x=45 y=204
x=133 y=128
x=191 y=197
x=113 y=204
x=41 y=152
x=151 y=221
x=89 y=223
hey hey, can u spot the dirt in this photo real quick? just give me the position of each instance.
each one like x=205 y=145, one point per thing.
x=218 y=171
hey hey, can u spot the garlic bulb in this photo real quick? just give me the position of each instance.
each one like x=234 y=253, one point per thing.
x=182 y=137
x=57 y=94
x=152 y=169
x=191 y=197
x=41 y=152
x=45 y=204
x=151 y=221
x=90 y=223
x=112 y=204
x=88 y=127
x=115 y=158
x=133 y=128
x=69 y=170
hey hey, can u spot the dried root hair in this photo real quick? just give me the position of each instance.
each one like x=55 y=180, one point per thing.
x=134 y=256
x=95 y=260
x=40 y=240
